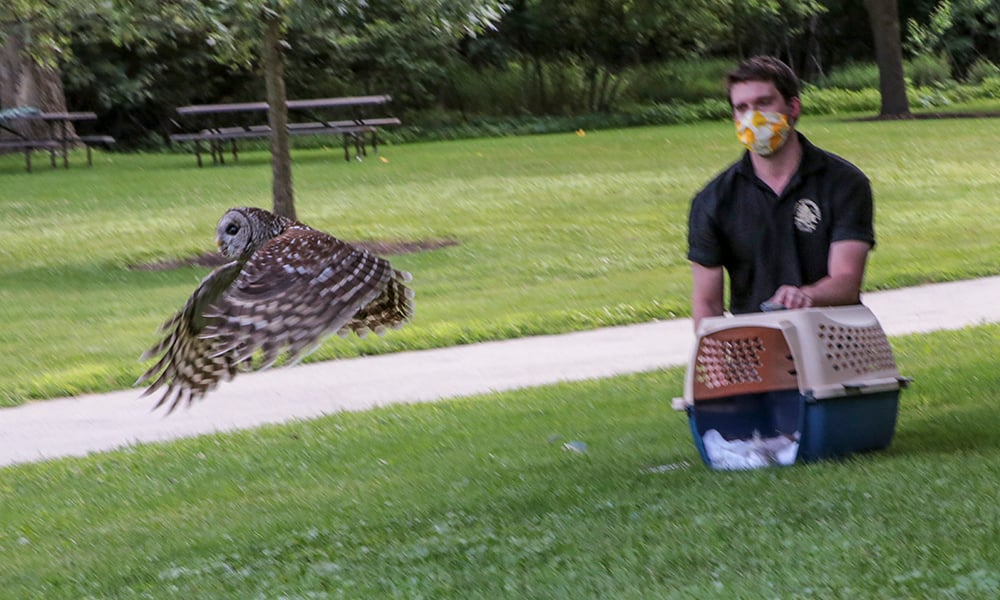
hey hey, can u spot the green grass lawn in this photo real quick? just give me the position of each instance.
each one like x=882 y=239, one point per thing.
x=553 y=233
x=477 y=498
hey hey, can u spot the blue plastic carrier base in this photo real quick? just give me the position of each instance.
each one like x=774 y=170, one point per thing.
x=828 y=428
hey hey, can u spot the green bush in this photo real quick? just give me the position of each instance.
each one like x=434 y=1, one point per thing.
x=852 y=76
x=514 y=89
x=921 y=71
x=941 y=95
x=488 y=91
x=929 y=97
x=452 y=126
x=982 y=70
x=435 y=125
x=684 y=81
x=990 y=88
x=832 y=101
x=928 y=70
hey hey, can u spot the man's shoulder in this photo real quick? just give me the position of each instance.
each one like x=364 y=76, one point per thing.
x=835 y=165
x=721 y=185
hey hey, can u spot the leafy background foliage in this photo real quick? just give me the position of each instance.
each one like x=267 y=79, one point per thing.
x=540 y=59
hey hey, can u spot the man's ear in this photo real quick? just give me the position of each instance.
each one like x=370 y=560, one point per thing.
x=795 y=104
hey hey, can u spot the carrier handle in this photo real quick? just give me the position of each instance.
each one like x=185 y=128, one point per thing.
x=877 y=385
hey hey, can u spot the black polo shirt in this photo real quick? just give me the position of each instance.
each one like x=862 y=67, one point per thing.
x=764 y=240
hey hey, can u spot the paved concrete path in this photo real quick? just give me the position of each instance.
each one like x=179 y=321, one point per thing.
x=81 y=425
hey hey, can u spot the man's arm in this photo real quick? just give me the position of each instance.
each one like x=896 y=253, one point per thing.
x=846 y=267
x=706 y=296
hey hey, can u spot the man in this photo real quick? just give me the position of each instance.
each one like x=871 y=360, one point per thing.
x=791 y=224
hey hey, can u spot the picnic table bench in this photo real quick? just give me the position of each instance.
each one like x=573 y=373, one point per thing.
x=352 y=131
x=57 y=141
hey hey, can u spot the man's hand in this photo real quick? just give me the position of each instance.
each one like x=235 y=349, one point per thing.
x=790 y=296
x=841 y=287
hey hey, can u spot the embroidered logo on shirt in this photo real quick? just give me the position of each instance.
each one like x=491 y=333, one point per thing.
x=807 y=215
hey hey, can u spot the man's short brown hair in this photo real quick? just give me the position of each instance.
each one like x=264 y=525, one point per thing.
x=765 y=68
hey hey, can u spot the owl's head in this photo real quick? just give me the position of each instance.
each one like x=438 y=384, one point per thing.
x=241 y=231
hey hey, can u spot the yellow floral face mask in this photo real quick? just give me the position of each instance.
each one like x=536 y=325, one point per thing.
x=763 y=132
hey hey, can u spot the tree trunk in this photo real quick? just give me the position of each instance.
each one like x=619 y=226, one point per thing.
x=590 y=76
x=884 y=18
x=25 y=83
x=601 y=101
x=815 y=52
x=277 y=117
x=542 y=107
x=615 y=90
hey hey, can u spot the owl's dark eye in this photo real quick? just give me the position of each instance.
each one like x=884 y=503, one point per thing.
x=232 y=229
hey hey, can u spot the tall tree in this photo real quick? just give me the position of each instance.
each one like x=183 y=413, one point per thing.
x=240 y=33
x=884 y=18
x=606 y=37
x=277 y=114
x=963 y=31
x=25 y=82
x=255 y=31
x=34 y=34
x=784 y=28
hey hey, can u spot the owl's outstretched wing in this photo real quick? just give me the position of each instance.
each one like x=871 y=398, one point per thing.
x=298 y=288
x=190 y=365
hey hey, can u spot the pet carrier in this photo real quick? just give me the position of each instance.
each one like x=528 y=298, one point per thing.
x=791 y=386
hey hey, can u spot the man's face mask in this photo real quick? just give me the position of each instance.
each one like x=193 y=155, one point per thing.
x=763 y=132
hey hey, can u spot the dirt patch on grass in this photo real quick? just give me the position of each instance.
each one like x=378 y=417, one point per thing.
x=378 y=247
x=393 y=248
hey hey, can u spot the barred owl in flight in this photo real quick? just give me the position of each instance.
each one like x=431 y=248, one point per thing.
x=287 y=286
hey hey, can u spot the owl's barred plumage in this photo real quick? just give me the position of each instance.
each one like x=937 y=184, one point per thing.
x=287 y=288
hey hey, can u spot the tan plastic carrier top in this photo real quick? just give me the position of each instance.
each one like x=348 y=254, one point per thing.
x=822 y=352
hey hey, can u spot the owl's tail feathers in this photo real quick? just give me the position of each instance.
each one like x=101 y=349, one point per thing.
x=391 y=309
x=394 y=307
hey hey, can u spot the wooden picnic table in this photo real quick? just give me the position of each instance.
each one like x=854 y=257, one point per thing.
x=215 y=134
x=315 y=103
x=57 y=141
